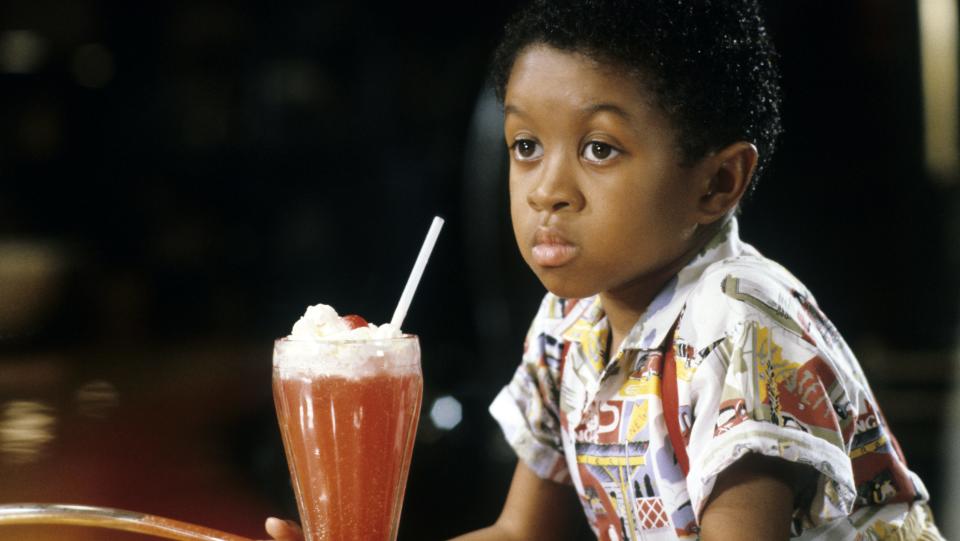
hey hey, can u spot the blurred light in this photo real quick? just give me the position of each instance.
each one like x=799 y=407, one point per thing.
x=93 y=66
x=21 y=51
x=30 y=284
x=293 y=82
x=97 y=398
x=938 y=54
x=446 y=413
x=26 y=429
x=205 y=119
x=40 y=130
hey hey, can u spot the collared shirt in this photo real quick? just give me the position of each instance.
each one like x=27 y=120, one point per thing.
x=759 y=369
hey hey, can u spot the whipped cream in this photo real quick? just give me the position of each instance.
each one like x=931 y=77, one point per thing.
x=322 y=345
x=321 y=322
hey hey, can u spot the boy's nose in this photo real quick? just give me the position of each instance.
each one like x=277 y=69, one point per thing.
x=555 y=190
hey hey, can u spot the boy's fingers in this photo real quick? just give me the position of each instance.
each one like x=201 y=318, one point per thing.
x=283 y=530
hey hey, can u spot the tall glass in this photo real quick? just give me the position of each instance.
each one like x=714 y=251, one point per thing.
x=348 y=413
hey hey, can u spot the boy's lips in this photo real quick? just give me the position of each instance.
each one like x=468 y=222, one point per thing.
x=551 y=249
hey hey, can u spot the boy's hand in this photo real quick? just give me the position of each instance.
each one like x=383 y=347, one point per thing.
x=283 y=530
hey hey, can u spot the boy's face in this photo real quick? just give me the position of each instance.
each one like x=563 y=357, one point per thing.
x=599 y=200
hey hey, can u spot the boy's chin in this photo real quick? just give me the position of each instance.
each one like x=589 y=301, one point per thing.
x=566 y=282
x=566 y=289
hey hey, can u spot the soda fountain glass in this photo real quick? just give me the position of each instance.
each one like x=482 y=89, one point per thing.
x=348 y=413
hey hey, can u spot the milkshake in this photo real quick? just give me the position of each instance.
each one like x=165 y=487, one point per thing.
x=347 y=396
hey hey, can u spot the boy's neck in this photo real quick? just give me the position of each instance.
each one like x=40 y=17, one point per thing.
x=624 y=306
x=622 y=315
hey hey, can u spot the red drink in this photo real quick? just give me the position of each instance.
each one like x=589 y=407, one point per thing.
x=348 y=413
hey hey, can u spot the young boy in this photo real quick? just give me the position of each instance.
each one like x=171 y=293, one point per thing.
x=674 y=383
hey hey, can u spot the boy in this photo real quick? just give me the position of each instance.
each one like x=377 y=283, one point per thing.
x=675 y=384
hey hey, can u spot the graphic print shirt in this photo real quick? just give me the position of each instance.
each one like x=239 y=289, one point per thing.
x=758 y=369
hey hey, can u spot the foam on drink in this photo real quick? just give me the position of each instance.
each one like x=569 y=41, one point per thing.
x=321 y=331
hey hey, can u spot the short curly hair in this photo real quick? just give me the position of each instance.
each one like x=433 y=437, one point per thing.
x=708 y=64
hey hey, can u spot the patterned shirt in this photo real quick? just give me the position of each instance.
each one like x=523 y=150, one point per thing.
x=759 y=369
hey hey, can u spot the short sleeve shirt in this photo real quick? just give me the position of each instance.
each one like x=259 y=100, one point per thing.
x=759 y=369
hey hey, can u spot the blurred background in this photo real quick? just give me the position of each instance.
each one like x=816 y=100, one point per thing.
x=178 y=180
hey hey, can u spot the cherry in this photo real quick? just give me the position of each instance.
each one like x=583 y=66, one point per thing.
x=354 y=321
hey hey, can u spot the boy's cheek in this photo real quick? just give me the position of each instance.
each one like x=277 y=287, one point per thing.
x=524 y=227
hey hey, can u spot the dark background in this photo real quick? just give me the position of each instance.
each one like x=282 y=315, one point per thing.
x=178 y=180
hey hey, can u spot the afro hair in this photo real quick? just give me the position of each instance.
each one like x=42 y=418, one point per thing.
x=709 y=65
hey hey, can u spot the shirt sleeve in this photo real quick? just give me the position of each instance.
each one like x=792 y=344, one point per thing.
x=765 y=387
x=527 y=409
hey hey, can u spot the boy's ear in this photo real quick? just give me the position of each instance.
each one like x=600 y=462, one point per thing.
x=730 y=171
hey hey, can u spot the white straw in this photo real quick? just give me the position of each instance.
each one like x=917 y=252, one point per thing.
x=401 y=312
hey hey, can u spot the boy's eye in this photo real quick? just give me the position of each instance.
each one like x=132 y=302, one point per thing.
x=526 y=149
x=595 y=151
